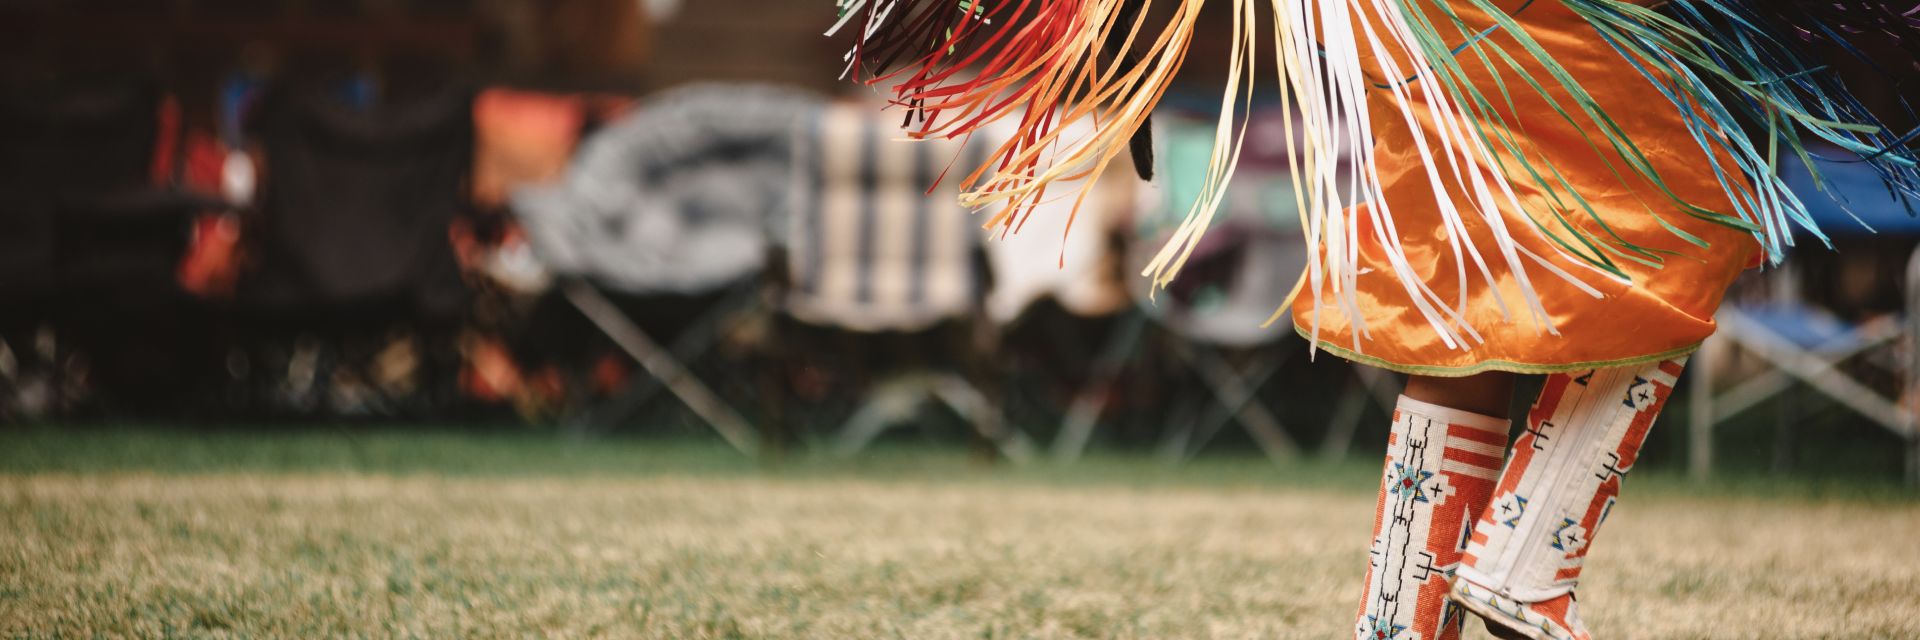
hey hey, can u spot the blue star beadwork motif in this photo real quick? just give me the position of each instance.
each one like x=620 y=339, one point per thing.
x=1380 y=629
x=1408 y=483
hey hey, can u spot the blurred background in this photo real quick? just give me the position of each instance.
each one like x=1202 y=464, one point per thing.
x=608 y=219
x=627 y=318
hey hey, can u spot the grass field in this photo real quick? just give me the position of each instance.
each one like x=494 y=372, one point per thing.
x=140 y=533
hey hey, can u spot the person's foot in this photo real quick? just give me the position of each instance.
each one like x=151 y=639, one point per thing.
x=1510 y=619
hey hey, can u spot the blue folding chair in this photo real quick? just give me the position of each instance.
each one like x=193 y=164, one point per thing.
x=1801 y=344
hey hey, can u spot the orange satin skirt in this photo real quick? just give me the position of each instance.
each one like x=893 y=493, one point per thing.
x=1666 y=310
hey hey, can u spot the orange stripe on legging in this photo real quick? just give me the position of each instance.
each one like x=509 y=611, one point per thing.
x=1476 y=459
x=1482 y=436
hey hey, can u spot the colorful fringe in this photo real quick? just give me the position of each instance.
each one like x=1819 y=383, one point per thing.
x=1730 y=66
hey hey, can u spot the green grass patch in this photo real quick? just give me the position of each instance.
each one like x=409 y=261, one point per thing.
x=510 y=452
x=363 y=531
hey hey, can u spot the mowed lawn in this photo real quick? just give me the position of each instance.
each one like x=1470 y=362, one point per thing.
x=133 y=533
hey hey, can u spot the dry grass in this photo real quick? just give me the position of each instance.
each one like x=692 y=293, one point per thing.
x=775 y=556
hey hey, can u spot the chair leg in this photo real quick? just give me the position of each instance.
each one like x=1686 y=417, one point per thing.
x=1085 y=412
x=984 y=415
x=1913 y=461
x=1817 y=373
x=1377 y=384
x=691 y=345
x=1235 y=408
x=887 y=405
x=1700 y=410
x=1786 y=434
x=1182 y=421
x=1911 y=399
x=661 y=364
x=1344 y=423
x=1233 y=391
x=776 y=393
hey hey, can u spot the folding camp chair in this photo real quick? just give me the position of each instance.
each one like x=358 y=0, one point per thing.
x=121 y=305
x=1214 y=315
x=1239 y=276
x=1234 y=386
x=1805 y=346
x=663 y=364
x=88 y=243
x=873 y=253
x=1060 y=302
x=672 y=202
x=354 y=293
x=27 y=280
x=1232 y=284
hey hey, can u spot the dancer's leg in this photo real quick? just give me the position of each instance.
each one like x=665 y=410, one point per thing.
x=1441 y=466
x=1488 y=394
x=1583 y=436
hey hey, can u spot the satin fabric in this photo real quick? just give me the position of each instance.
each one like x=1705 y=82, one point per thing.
x=1661 y=312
